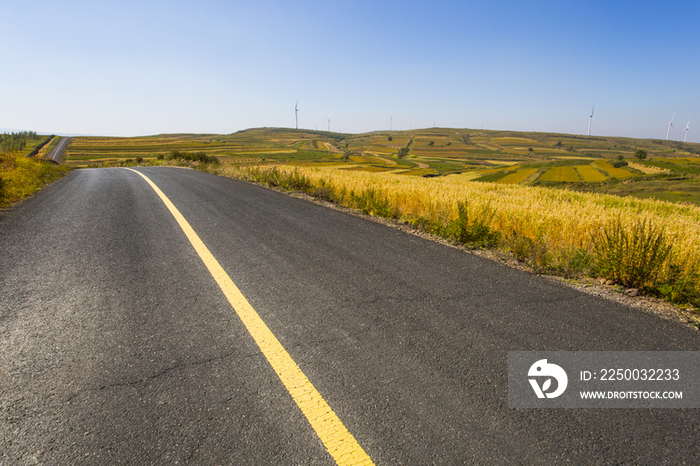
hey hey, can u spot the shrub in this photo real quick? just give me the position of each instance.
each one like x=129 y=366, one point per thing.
x=632 y=256
x=573 y=262
x=372 y=201
x=474 y=232
x=406 y=150
x=323 y=190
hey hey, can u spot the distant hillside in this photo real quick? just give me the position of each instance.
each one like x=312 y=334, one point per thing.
x=670 y=170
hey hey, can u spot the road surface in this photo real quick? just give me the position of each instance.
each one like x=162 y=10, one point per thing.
x=57 y=152
x=117 y=345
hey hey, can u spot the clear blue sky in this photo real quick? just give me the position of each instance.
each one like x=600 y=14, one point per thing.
x=137 y=67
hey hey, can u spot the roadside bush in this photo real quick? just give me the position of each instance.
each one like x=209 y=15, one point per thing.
x=473 y=232
x=632 y=257
x=372 y=201
x=573 y=262
x=520 y=245
x=323 y=190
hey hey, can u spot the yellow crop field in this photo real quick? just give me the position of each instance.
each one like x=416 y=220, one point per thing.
x=612 y=171
x=517 y=177
x=590 y=173
x=515 y=141
x=560 y=174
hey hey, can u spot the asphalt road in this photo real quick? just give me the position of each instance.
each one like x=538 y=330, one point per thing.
x=118 y=347
x=57 y=151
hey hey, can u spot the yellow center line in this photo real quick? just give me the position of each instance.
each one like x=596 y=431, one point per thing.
x=335 y=437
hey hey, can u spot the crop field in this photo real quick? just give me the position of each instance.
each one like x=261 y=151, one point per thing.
x=562 y=174
x=518 y=177
x=590 y=173
x=647 y=169
x=612 y=171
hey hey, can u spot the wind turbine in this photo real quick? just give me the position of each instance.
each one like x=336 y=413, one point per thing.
x=391 y=123
x=296 y=114
x=670 y=125
x=329 y=121
x=590 y=120
x=687 y=127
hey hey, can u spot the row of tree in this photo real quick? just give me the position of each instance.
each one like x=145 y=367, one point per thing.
x=16 y=142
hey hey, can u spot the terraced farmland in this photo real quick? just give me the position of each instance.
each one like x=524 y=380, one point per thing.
x=612 y=171
x=562 y=174
x=590 y=173
x=518 y=177
x=504 y=157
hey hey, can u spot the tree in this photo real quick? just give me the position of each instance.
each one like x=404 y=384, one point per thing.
x=640 y=155
x=405 y=151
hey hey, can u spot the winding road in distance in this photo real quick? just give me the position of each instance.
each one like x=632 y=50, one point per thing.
x=119 y=343
x=57 y=151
